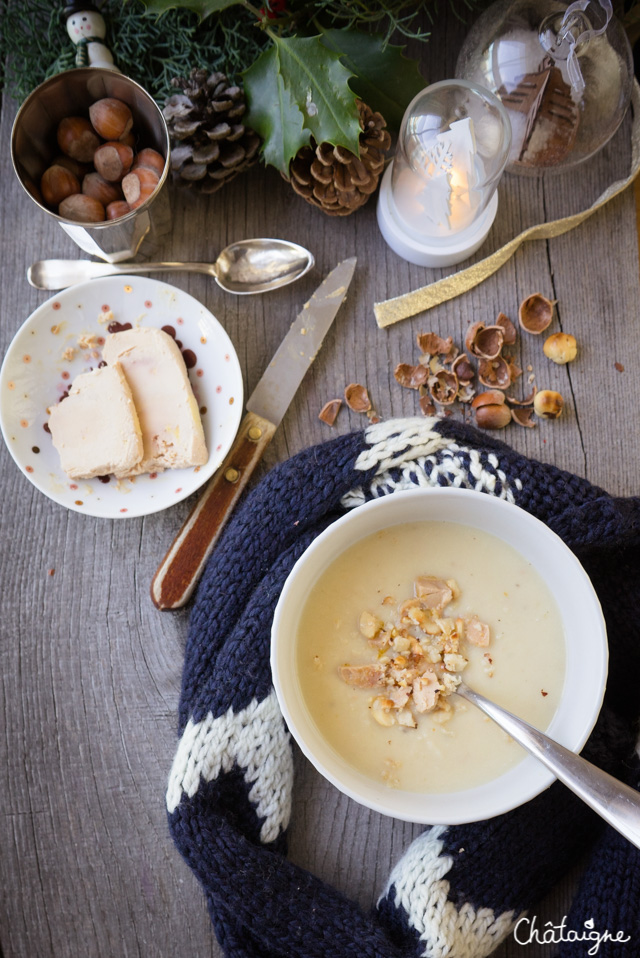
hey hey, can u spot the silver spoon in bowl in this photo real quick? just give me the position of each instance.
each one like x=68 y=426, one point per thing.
x=615 y=802
x=249 y=266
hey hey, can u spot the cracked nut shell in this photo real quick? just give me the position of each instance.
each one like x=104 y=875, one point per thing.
x=357 y=397
x=535 y=313
x=548 y=404
x=561 y=348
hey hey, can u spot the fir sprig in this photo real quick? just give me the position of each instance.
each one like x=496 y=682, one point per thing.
x=151 y=50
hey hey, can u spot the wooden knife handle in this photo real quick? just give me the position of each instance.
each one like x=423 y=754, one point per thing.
x=182 y=566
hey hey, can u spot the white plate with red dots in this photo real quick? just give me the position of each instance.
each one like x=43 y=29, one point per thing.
x=64 y=337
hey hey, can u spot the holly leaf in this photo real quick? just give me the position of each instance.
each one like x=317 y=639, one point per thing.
x=384 y=78
x=204 y=8
x=297 y=89
x=272 y=111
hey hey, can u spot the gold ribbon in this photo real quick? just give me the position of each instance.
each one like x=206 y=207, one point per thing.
x=400 y=307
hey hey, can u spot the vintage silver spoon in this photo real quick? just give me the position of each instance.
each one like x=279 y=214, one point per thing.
x=249 y=266
x=614 y=801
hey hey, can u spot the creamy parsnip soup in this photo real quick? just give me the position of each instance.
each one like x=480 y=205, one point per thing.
x=392 y=625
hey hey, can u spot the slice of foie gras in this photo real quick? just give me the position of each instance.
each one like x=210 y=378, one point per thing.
x=172 y=432
x=96 y=429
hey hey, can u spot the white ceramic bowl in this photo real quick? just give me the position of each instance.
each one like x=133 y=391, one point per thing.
x=584 y=631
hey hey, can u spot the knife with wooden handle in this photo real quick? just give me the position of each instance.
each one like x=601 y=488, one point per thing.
x=179 y=571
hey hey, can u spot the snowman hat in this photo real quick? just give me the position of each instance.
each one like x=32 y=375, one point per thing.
x=79 y=6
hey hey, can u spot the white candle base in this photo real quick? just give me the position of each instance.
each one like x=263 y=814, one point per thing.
x=444 y=251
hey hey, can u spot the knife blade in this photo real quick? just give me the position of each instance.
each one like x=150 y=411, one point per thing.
x=179 y=571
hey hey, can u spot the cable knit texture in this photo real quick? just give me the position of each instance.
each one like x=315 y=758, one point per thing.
x=458 y=891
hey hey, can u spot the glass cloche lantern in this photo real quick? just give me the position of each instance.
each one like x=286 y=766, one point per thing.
x=438 y=197
x=563 y=71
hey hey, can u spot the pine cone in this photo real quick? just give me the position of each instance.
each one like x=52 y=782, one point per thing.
x=210 y=144
x=336 y=180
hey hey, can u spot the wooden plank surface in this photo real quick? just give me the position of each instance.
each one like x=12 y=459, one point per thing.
x=90 y=671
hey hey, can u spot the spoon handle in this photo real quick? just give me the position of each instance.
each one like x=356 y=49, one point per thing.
x=60 y=273
x=615 y=802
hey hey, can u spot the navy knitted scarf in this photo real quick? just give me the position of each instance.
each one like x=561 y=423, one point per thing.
x=458 y=891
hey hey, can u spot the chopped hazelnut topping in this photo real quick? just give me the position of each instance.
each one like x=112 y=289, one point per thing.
x=419 y=654
x=88 y=341
x=477 y=632
x=370 y=625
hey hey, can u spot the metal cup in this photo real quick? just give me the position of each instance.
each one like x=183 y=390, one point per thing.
x=34 y=146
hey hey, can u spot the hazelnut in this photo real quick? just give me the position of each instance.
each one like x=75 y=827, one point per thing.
x=78 y=169
x=117 y=208
x=77 y=138
x=150 y=159
x=95 y=185
x=138 y=186
x=113 y=160
x=81 y=209
x=548 y=404
x=493 y=416
x=561 y=348
x=111 y=118
x=57 y=183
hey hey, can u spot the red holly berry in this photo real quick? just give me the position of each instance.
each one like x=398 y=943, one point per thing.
x=276 y=7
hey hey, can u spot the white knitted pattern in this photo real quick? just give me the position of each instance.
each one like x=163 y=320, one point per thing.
x=421 y=890
x=256 y=740
x=423 y=457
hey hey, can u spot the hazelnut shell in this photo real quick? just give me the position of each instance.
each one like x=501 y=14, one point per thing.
x=491 y=397
x=443 y=387
x=522 y=416
x=357 y=397
x=535 y=313
x=508 y=329
x=494 y=373
x=411 y=377
x=329 y=411
x=488 y=342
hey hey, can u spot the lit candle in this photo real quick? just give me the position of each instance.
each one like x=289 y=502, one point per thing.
x=442 y=179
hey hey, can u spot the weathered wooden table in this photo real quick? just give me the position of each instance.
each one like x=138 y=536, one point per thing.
x=90 y=671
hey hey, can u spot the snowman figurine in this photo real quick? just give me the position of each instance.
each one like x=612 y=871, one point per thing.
x=86 y=27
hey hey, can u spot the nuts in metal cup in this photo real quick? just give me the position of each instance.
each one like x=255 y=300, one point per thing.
x=34 y=148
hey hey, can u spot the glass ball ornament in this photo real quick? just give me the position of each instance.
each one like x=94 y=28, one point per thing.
x=563 y=72
x=438 y=197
